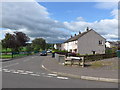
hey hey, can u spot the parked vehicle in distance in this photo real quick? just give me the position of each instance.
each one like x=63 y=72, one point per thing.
x=49 y=51
x=43 y=53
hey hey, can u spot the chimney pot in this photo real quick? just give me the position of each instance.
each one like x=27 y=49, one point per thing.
x=87 y=29
x=79 y=32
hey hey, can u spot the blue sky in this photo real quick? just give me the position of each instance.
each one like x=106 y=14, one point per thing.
x=69 y=11
x=57 y=21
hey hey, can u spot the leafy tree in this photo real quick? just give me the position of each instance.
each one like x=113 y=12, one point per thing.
x=49 y=46
x=22 y=38
x=15 y=41
x=29 y=49
x=39 y=43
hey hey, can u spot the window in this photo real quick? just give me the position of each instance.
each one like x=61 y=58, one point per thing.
x=100 y=42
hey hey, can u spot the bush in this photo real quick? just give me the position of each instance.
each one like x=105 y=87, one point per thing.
x=98 y=56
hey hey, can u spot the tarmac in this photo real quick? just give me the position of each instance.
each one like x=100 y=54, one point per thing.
x=98 y=74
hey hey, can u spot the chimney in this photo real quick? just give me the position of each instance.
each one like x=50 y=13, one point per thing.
x=71 y=36
x=79 y=32
x=75 y=34
x=87 y=29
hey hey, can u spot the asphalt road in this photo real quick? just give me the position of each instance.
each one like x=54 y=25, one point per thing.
x=27 y=73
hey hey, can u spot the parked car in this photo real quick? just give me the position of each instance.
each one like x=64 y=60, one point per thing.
x=49 y=51
x=43 y=53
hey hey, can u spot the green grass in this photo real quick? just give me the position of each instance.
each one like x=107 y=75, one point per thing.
x=8 y=56
x=9 y=50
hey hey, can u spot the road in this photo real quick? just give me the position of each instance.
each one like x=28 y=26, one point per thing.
x=27 y=73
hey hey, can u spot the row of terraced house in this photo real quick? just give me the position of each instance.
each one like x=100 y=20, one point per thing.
x=88 y=42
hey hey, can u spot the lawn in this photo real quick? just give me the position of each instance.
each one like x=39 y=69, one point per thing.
x=4 y=56
x=9 y=50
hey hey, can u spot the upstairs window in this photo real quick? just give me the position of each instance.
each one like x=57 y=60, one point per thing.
x=100 y=42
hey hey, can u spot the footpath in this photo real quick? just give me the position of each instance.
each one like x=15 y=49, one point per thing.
x=87 y=73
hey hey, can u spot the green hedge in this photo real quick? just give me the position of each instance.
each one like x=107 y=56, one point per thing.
x=98 y=57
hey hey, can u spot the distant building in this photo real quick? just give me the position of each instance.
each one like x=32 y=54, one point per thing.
x=111 y=44
x=57 y=46
x=88 y=42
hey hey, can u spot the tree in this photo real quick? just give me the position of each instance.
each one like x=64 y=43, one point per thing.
x=39 y=43
x=49 y=46
x=29 y=49
x=15 y=41
x=22 y=38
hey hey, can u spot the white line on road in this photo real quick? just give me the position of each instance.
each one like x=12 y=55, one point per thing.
x=23 y=73
x=4 y=69
x=20 y=70
x=15 y=72
x=28 y=72
x=10 y=65
x=52 y=74
x=62 y=78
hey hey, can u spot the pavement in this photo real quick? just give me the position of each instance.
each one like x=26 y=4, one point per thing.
x=87 y=73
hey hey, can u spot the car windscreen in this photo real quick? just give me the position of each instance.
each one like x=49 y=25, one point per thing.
x=43 y=51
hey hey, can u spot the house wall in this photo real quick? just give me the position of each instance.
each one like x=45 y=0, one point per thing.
x=90 y=42
x=111 y=45
x=69 y=46
x=57 y=46
x=107 y=44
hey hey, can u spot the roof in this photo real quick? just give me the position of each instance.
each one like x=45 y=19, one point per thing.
x=77 y=36
x=113 y=42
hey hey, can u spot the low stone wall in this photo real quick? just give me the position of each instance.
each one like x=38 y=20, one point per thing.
x=60 y=58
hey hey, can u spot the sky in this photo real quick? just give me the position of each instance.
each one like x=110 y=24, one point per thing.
x=57 y=21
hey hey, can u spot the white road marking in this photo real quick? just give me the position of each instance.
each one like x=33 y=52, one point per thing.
x=52 y=74
x=62 y=77
x=15 y=72
x=20 y=70
x=23 y=73
x=28 y=72
x=4 y=69
x=35 y=74
x=33 y=57
x=11 y=65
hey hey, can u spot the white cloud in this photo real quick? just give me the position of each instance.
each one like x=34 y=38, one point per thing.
x=80 y=19
x=111 y=36
x=32 y=19
x=108 y=28
x=107 y=5
x=115 y=13
x=103 y=27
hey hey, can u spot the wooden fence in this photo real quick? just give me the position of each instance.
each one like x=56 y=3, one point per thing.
x=94 y=57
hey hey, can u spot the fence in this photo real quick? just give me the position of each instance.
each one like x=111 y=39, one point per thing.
x=88 y=58
x=98 y=57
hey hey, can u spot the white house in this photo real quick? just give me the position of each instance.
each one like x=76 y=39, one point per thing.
x=111 y=44
x=88 y=42
x=57 y=46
